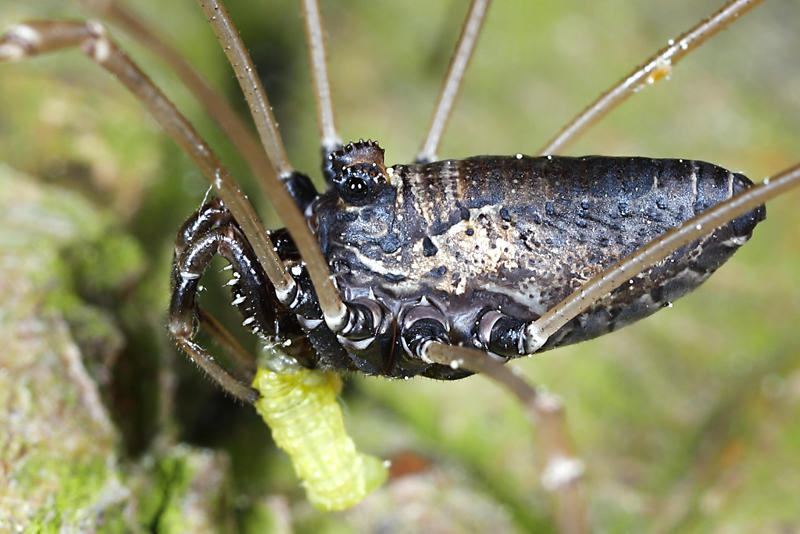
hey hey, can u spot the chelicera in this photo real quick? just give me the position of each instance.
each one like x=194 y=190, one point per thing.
x=397 y=298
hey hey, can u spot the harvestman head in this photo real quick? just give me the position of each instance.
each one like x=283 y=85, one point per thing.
x=310 y=291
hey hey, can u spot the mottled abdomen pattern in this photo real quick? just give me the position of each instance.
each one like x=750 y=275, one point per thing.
x=519 y=234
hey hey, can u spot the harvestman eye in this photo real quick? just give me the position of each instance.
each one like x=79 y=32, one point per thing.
x=355 y=188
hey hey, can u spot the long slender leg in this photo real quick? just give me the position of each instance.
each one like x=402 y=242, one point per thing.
x=329 y=138
x=653 y=70
x=42 y=36
x=536 y=333
x=562 y=471
x=334 y=310
x=452 y=82
x=217 y=106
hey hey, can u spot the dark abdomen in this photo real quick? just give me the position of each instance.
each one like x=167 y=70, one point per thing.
x=520 y=234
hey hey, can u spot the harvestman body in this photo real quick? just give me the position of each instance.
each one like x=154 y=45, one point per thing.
x=468 y=252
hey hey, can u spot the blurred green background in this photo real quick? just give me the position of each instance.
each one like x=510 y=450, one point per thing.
x=688 y=421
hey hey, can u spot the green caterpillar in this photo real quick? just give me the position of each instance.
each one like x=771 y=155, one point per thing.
x=299 y=406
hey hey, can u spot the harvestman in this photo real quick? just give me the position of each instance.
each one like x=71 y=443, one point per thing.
x=340 y=317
